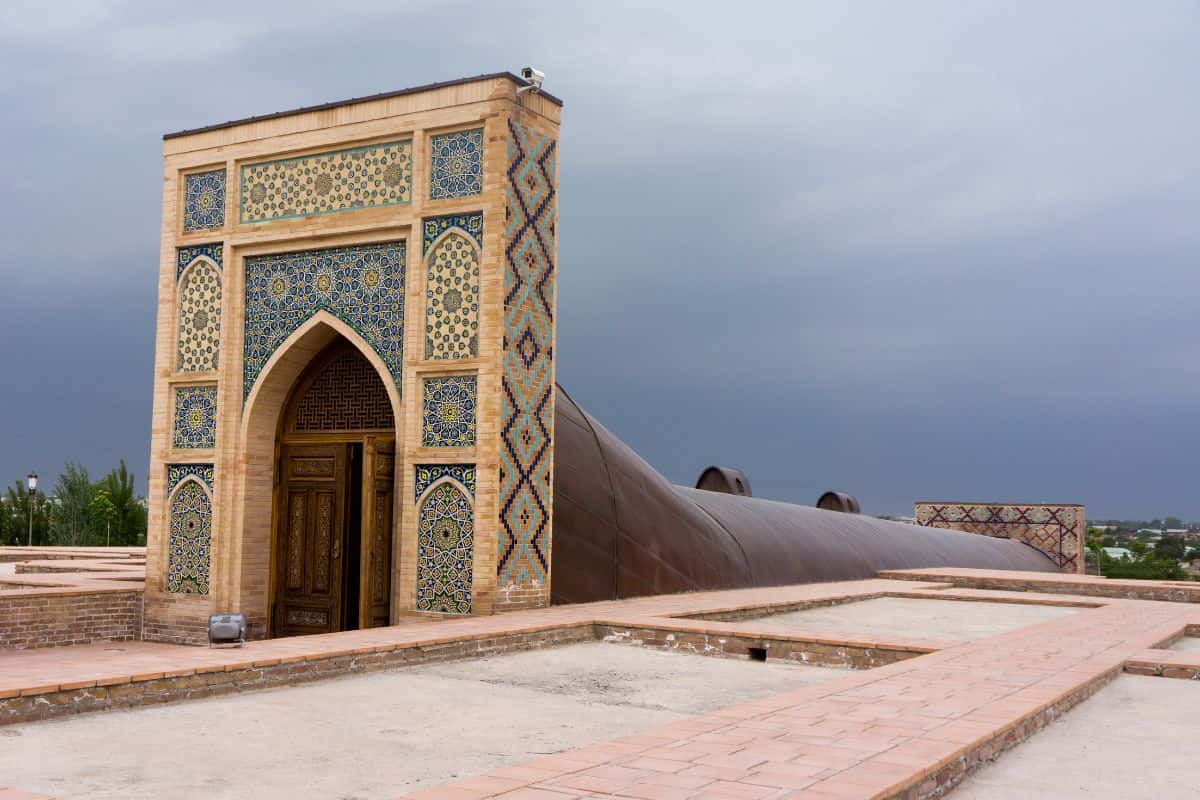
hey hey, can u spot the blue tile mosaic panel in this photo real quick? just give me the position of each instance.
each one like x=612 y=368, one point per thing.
x=184 y=256
x=448 y=411
x=456 y=164
x=433 y=227
x=177 y=473
x=527 y=383
x=189 y=539
x=195 y=417
x=204 y=200
x=362 y=286
x=452 y=286
x=429 y=474
x=322 y=183
x=445 y=551
x=199 y=321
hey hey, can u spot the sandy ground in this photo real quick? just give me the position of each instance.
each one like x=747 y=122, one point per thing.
x=952 y=620
x=378 y=736
x=1187 y=643
x=1132 y=740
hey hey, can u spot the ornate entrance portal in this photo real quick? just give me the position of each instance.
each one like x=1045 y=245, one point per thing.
x=332 y=543
x=354 y=362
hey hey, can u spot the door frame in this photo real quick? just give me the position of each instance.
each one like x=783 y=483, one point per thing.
x=373 y=443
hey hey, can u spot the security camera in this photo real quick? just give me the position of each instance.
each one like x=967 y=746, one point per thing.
x=535 y=78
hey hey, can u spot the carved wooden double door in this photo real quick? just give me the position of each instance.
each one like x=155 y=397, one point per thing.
x=334 y=553
x=333 y=502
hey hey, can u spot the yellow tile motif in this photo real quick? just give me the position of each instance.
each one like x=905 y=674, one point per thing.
x=322 y=183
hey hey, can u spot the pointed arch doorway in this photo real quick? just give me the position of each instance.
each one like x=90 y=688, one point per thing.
x=333 y=504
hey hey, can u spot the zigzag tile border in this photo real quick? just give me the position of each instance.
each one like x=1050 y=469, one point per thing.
x=527 y=386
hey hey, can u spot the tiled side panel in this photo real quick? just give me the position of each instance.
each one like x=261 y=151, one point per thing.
x=189 y=548
x=445 y=549
x=195 y=417
x=199 y=318
x=448 y=411
x=1057 y=531
x=527 y=396
x=452 y=295
x=204 y=200
x=456 y=164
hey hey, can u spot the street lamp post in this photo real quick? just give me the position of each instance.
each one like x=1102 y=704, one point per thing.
x=31 y=484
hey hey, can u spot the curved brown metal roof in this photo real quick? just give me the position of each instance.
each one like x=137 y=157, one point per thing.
x=622 y=530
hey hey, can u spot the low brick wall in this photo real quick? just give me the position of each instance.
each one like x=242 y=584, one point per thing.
x=759 y=612
x=940 y=782
x=1090 y=586
x=782 y=648
x=125 y=692
x=178 y=618
x=39 y=618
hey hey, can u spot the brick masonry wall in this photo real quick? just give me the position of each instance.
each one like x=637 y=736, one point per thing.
x=1055 y=530
x=516 y=597
x=218 y=680
x=173 y=620
x=776 y=649
x=30 y=620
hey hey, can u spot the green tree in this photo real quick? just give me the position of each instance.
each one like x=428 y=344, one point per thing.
x=1158 y=569
x=103 y=513
x=73 y=523
x=1171 y=547
x=129 y=524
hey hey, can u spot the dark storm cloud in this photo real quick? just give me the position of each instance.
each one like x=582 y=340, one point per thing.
x=905 y=250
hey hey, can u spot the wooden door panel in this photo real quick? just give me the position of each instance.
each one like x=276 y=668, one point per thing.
x=380 y=483
x=309 y=586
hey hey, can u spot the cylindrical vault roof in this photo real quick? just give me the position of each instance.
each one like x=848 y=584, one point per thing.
x=622 y=530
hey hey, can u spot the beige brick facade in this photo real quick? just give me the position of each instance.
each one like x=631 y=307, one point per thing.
x=350 y=199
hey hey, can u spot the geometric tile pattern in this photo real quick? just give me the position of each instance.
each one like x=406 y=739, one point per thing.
x=452 y=294
x=176 y=473
x=456 y=164
x=184 y=256
x=433 y=227
x=195 y=417
x=448 y=411
x=527 y=386
x=204 y=200
x=199 y=318
x=1055 y=530
x=429 y=474
x=189 y=539
x=445 y=550
x=362 y=285
x=322 y=183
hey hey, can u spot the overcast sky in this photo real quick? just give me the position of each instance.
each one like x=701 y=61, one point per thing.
x=904 y=250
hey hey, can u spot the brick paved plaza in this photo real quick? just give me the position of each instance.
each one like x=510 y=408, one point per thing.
x=905 y=714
